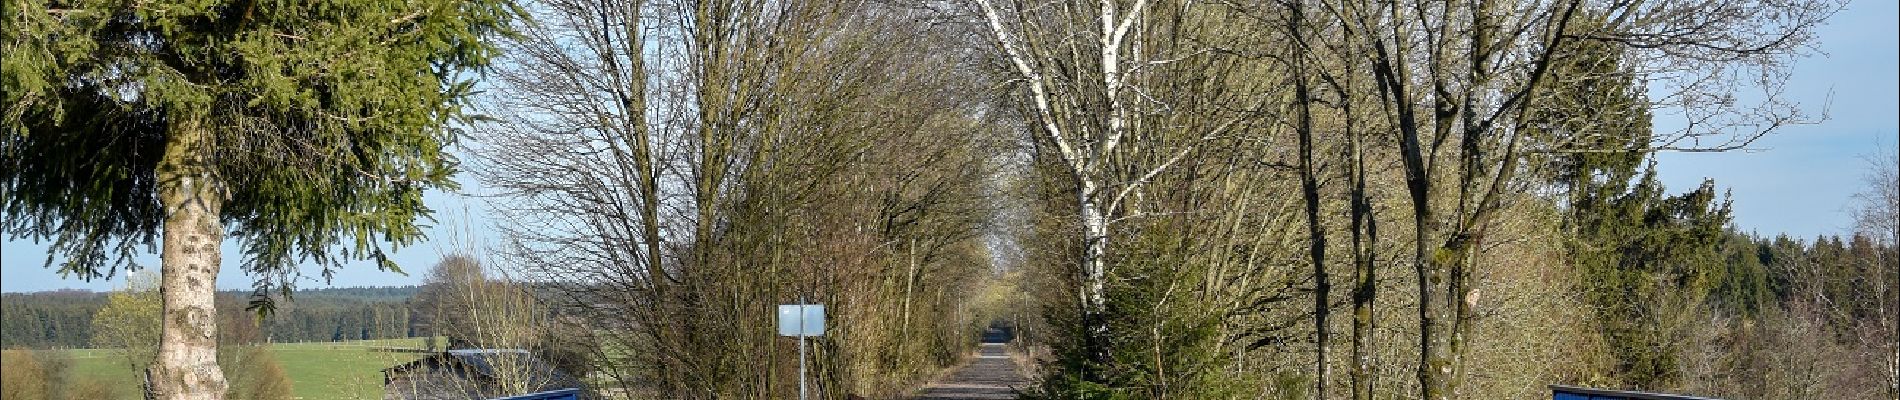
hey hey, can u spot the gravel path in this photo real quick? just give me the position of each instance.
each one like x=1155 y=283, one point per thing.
x=991 y=375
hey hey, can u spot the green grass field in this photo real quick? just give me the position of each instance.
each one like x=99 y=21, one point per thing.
x=318 y=371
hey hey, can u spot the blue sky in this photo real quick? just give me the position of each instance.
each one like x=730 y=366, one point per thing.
x=1803 y=178
x=1801 y=182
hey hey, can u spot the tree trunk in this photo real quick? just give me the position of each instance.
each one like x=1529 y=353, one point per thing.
x=1094 y=276
x=1309 y=191
x=1433 y=365
x=910 y=283
x=1443 y=317
x=1322 y=284
x=1365 y=238
x=1365 y=290
x=187 y=364
x=1428 y=258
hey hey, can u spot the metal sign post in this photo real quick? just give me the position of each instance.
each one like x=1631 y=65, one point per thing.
x=801 y=320
x=802 y=390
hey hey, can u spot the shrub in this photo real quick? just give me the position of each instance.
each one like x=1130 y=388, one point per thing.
x=87 y=389
x=256 y=375
x=23 y=378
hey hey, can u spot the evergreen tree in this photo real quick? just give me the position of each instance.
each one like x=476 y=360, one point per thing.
x=1647 y=259
x=1745 y=288
x=306 y=130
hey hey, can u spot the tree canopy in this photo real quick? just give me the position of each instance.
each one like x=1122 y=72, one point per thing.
x=328 y=120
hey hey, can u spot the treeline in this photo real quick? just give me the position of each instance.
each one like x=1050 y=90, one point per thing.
x=1764 y=274
x=1322 y=199
x=1787 y=319
x=63 y=319
x=48 y=319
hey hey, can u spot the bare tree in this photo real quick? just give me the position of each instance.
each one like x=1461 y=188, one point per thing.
x=1297 y=29
x=1878 y=216
x=677 y=167
x=509 y=332
x=1457 y=78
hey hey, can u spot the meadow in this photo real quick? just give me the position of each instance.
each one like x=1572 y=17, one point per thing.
x=318 y=370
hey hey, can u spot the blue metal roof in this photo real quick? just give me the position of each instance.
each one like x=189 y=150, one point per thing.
x=1561 y=392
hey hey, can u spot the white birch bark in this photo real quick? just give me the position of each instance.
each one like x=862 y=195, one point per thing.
x=1097 y=130
x=1083 y=148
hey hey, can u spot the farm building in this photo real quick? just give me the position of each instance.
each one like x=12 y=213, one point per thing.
x=473 y=374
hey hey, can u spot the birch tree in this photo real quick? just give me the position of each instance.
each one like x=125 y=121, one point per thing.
x=1086 y=76
x=1877 y=215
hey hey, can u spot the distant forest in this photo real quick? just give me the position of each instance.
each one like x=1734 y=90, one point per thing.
x=63 y=319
